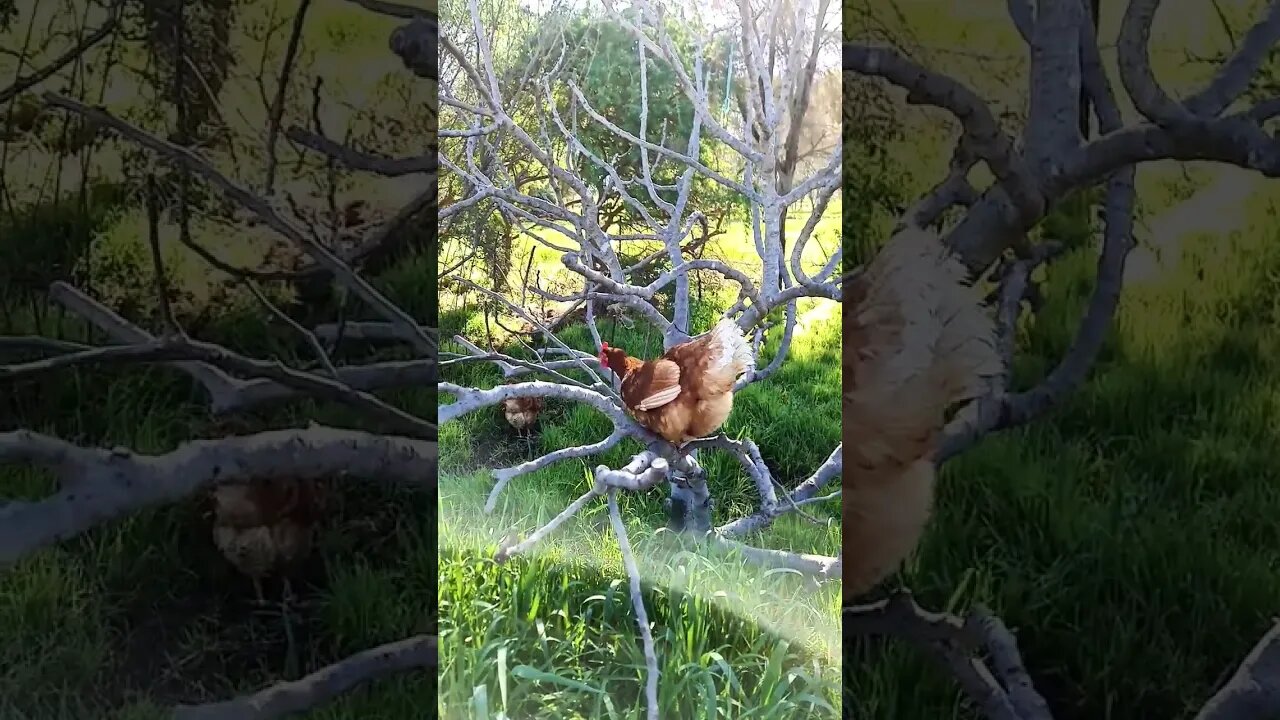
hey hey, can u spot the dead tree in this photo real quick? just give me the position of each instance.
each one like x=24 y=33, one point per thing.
x=1031 y=173
x=98 y=485
x=476 y=111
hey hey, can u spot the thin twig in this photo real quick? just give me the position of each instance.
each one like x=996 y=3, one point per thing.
x=637 y=602
x=282 y=88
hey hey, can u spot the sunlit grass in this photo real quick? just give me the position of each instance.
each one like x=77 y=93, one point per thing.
x=1129 y=537
x=552 y=633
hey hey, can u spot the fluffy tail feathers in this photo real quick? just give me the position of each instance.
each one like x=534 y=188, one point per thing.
x=733 y=350
x=917 y=340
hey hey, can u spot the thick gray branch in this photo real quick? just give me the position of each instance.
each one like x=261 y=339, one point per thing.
x=228 y=394
x=1254 y=690
x=98 y=486
x=1011 y=410
x=291 y=698
x=1001 y=695
x=360 y=160
x=1234 y=76
x=470 y=399
x=816 y=567
x=1052 y=131
x=180 y=348
x=981 y=129
x=1135 y=66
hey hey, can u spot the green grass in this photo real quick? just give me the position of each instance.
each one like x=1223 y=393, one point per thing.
x=553 y=634
x=144 y=613
x=1129 y=539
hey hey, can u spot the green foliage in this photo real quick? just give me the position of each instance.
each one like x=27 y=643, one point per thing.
x=602 y=58
x=1073 y=220
x=43 y=242
x=872 y=186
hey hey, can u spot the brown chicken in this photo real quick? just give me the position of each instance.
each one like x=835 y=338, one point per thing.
x=688 y=392
x=916 y=342
x=522 y=412
x=266 y=526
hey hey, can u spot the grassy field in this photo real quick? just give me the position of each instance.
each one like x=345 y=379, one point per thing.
x=145 y=612
x=1129 y=539
x=553 y=634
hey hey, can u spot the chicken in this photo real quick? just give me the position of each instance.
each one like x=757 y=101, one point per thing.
x=688 y=392
x=916 y=342
x=265 y=526
x=521 y=414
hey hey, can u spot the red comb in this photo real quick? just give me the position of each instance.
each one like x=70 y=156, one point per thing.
x=604 y=345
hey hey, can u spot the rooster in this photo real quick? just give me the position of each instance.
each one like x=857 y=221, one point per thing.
x=265 y=526
x=916 y=342
x=688 y=392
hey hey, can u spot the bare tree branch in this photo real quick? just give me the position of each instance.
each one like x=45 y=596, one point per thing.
x=260 y=207
x=981 y=130
x=228 y=394
x=282 y=87
x=321 y=686
x=98 y=486
x=357 y=160
x=637 y=602
x=395 y=10
x=1234 y=76
x=1052 y=132
x=1254 y=690
x=26 y=82
x=1000 y=692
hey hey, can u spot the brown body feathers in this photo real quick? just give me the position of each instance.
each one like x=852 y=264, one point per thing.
x=265 y=526
x=916 y=341
x=688 y=392
x=522 y=412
